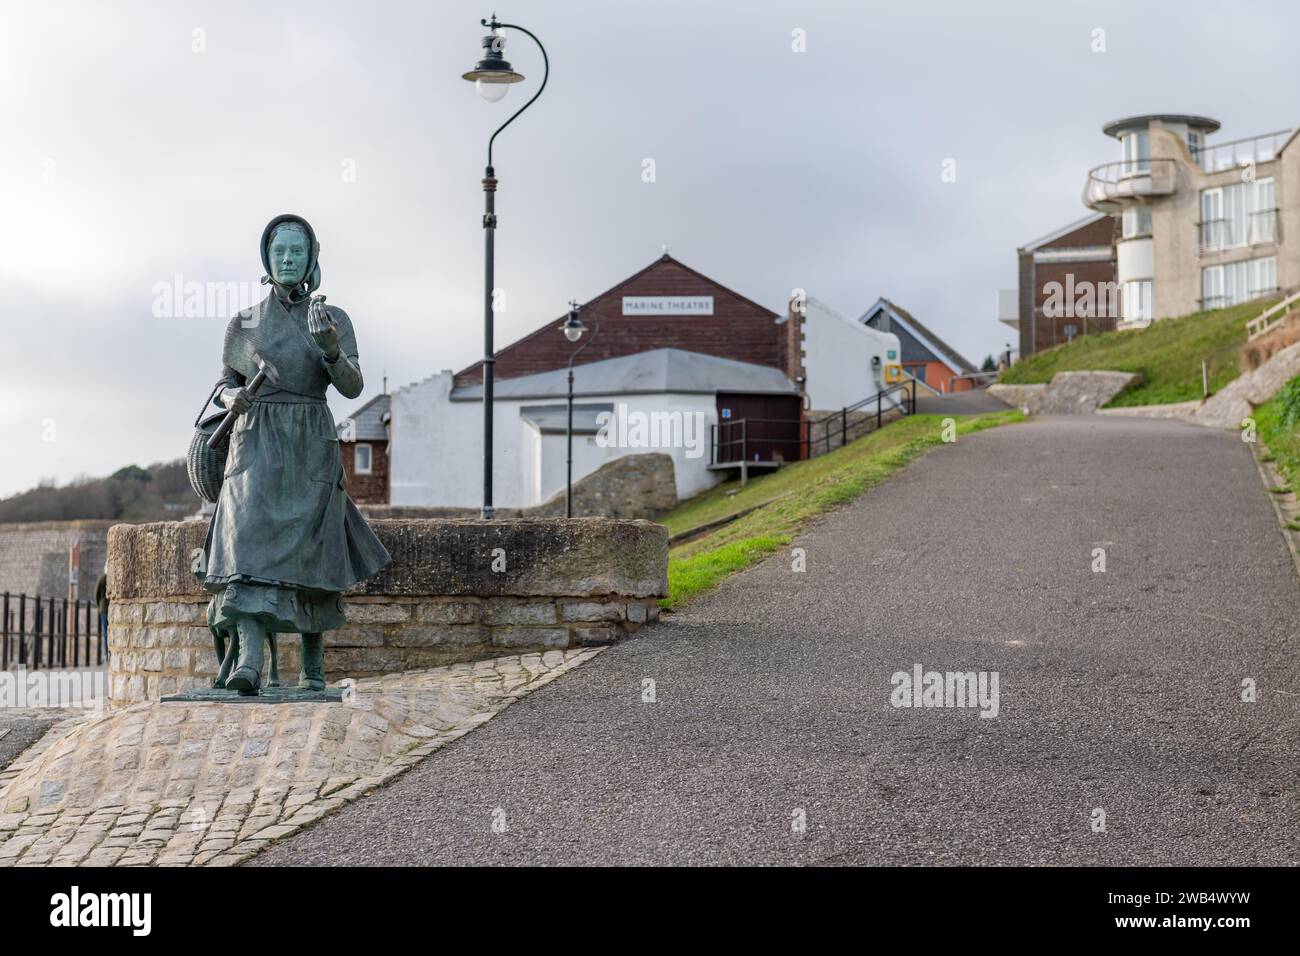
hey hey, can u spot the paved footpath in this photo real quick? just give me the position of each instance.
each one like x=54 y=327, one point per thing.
x=1120 y=691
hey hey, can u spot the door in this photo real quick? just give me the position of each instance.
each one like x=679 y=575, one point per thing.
x=758 y=427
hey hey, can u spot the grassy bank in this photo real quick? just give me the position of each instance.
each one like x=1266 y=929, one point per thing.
x=1278 y=424
x=1167 y=354
x=784 y=500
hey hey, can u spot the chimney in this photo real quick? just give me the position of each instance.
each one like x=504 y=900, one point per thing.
x=792 y=339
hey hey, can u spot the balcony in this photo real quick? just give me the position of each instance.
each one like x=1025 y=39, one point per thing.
x=1111 y=185
x=1218 y=235
x=1241 y=152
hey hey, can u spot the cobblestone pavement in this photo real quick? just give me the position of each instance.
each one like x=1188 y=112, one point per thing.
x=213 y=784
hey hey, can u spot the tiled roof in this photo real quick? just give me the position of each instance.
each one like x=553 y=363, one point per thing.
x=369 y=420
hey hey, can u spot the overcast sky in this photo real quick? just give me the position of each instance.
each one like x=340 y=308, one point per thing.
x=134 y=149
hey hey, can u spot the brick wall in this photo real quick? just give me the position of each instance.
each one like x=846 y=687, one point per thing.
x=371 y=489
x=1044 y=331
x=738 y=329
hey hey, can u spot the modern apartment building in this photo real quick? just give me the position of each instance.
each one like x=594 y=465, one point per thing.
x=1202 y=225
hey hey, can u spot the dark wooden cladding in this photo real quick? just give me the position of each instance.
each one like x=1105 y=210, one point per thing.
x=759 y=427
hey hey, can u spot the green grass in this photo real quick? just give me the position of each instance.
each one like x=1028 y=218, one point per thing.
x=790 y=496
x=1167 y=354
x=1281 y=439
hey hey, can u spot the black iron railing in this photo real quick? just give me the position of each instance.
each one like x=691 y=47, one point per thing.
x=765 y=440
x=40 y=632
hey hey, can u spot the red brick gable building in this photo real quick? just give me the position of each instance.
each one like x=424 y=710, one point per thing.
x=1077 y=258
x=720 y=322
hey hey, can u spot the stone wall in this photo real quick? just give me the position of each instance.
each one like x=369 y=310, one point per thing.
x=1070 y=393
x=633 y=486
x=825 y=431
x=34 y=556
x=458 y=589
x=1238 y=400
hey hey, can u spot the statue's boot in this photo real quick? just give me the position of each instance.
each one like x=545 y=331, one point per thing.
x=312 y=674
x=248 y=670
x=227 y=646
x=273 y=675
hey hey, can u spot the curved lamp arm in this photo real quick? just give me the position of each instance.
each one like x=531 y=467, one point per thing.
x=595 y=332
x=545 y=75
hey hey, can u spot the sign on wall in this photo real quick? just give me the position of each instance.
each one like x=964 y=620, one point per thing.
x=667 y=305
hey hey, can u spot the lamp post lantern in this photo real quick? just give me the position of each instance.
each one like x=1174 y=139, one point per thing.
x=573 y=329
x=493 y=76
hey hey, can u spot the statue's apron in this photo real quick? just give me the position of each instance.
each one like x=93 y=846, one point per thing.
x=286 y=540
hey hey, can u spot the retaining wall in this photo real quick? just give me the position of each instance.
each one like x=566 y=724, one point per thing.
x=458 y=589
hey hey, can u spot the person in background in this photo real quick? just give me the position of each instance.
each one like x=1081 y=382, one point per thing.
x=101 y=598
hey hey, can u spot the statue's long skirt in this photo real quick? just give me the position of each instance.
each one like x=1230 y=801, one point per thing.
x=286 y=540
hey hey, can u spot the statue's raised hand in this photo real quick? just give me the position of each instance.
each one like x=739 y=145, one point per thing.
x=324 y=330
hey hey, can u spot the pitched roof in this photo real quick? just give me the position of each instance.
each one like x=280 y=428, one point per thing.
x=1056 y=234
x=369 y=420
x=661 y=328
x=658 y=370
x=937 y=346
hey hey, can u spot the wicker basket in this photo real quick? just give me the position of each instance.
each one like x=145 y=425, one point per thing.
x=206 y=466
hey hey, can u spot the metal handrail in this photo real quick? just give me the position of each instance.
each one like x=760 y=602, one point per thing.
x=1210 y=150
x=905 y=407
x=1219 y=244
x=1222 y=304
x=1125 y=169
x=972 y=376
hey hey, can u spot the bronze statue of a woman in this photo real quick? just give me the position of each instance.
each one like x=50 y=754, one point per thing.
x=286 y=540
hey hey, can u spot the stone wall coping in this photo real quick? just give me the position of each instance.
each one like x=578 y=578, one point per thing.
x=542 y=557
x=75 y=524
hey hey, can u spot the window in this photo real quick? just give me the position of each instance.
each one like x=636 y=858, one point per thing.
x=1238 y=281
x=1237 y=215
x=1261 y=277
x=1137 y=153
x=1135 y=302
x=1136 y=222
x=1263 y=215
x=1212 y=219
x=363 y=460
x=1212 y=288
x=1195 y=142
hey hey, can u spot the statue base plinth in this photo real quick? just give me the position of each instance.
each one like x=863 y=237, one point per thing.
x=266 y=695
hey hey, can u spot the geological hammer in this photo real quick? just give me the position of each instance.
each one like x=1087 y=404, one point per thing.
x=265 y=371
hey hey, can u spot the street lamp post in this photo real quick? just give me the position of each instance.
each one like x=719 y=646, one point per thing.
x=573 y=329
x=493 y=76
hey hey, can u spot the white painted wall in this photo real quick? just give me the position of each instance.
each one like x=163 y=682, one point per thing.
x=1134 y=260
x=837 y=357
x=436 y=448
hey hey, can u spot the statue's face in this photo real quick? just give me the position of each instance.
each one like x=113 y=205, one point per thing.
x=288 y=255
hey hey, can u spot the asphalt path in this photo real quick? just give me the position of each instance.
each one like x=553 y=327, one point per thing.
x=1120 y=691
